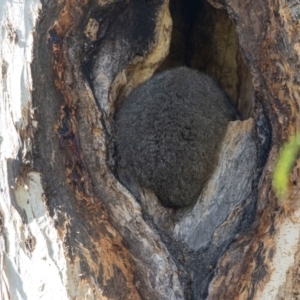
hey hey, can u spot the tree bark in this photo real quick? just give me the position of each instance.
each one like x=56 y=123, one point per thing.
x=68 y=228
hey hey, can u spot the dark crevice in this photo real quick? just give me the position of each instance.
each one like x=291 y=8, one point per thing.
x=205 y=38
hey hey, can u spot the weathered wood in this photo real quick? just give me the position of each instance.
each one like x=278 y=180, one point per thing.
x=269 y=42
x=83 y=132
x=63 y=213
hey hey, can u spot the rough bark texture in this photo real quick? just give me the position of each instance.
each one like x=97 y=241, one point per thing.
x=83 y=130
x=260 y=265
x=65 y=216
x=125 y=48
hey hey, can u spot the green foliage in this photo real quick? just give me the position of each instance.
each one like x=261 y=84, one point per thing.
x=286 y=160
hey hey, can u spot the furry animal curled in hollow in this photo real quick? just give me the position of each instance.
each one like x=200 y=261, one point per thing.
x=168 y=134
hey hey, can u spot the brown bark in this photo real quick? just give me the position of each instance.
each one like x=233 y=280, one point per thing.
x=88 y=56
x=269 y=42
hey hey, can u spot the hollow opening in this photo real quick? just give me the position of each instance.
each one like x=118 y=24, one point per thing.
x=205 y=38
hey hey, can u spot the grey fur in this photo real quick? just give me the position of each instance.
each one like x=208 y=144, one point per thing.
x=168 y=133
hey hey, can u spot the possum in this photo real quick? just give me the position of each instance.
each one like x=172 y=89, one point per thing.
x=168 y=133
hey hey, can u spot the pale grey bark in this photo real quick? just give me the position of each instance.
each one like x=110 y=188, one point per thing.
x=35 y=240
x=32 y=255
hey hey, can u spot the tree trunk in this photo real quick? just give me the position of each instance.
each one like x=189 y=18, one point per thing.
x=69 y=229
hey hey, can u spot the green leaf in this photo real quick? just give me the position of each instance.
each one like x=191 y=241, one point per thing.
x=287 y=158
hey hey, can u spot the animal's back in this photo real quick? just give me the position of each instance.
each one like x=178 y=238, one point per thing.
x=168 y=133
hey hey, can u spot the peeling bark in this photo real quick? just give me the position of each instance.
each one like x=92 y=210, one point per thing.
x=68 y=228
x=267 y=34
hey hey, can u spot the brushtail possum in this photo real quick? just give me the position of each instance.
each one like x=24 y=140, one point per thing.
x=168 y=133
